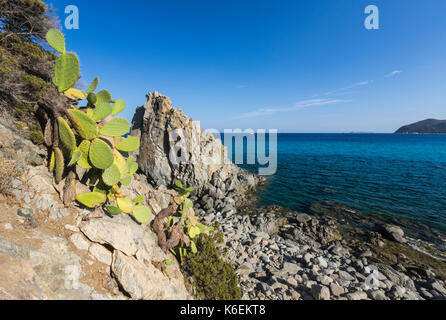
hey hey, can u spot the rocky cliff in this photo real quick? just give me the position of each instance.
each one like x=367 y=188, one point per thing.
x=174 y=147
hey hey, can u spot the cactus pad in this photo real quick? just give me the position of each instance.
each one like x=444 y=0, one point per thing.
x=59 y=165
x=103 y=96
x=128 y=144
x=66 y=136
x=111 y=175
x=66 y=71
x=93 y=86
x=100 y=154
x=113 y=210
x=83 y=162
x=142 y=214
x=75 y=94
x=126 y=205
x=86 y=126
x=115 y=128
x=119 y=106
x=77 y=154
x=56 y=40
x=102 y=111
x=52 y=161
x=91 y=199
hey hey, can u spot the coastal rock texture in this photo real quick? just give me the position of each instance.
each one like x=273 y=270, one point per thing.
x=174 y=147
x=307 y=258
x=51 y=252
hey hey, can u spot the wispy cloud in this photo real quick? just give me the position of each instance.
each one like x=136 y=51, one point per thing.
x=300 y=105
x=393 y=73
x=357 y=84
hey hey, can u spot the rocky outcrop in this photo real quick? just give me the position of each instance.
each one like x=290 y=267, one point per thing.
x=51 y=252
x=174 y=147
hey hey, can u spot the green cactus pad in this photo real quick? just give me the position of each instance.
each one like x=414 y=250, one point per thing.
x=67 y=137
x=100 y=154
x=66 y=71
x=91 y=199
x=119 y=106
x=52 y=161
x=56 y=40
x=59 y=165
x=84 y=148
x=142 y=214
x=113 y=210
x=139 y=199
x=77 y=154
x=133 y=166
x=86 y=126
x=103 y=96
x=92 y=99
x=121 y=164
x=126 y=205
x=127 y=180
x=93 y=86
x=115 y=128
x=128 y=144
x=111 y=175
x=102 y=111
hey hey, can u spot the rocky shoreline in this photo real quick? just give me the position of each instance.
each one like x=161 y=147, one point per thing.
x=284 y=255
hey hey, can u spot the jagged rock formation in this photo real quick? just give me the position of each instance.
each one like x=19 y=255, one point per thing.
x=425 y=126
x=204 y=164
x=51 y=252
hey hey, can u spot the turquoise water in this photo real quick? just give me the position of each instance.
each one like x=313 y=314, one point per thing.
x=395 y=175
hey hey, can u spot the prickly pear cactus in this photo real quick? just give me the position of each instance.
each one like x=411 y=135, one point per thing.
x=90 y=138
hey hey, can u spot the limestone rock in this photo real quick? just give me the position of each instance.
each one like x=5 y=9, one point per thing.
x=144 y=281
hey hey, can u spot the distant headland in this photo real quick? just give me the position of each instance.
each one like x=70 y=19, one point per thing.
x=429 y=126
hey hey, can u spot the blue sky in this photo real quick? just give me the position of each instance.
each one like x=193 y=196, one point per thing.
x=296 y=66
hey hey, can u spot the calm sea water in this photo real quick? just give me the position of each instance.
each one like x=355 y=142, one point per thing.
x=395 y=175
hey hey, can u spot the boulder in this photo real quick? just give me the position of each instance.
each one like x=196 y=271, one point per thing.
x=391 y=232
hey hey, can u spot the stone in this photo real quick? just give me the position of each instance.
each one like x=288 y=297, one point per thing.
x=357 y=295
x=437 y=286
x=100 y=253
x=320 y=292
x=291 y=268
x=303 y=218
x=391 y=232
x=79 y=241
x=345 y=275
x=144 y=281
x=397 y=292
x=378 y=295
x=321 y=262
x=336 y=289
x=120 y=232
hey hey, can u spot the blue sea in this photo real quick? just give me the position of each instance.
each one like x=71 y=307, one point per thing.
x=401 y=176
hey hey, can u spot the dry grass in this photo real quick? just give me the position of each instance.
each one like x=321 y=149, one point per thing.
x=8 y=170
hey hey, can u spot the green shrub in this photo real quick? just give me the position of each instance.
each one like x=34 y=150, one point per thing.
x=212 y=277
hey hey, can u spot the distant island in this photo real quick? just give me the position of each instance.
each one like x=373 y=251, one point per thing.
x=429 y=126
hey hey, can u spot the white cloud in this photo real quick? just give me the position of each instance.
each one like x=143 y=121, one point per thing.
x=393 y=73
x=357 y=84
x=297 y=106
